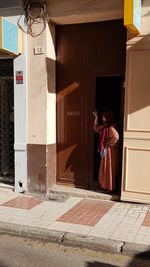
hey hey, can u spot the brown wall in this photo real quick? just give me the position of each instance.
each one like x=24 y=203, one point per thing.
x=36 y=155
x=51 y=165
x=41 y=167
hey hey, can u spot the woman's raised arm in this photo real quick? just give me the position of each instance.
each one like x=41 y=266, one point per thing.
x=97 y=128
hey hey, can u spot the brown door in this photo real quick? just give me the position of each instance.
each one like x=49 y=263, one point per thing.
x=84 y=52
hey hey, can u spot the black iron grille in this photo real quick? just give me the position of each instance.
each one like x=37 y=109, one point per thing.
x=6 y=129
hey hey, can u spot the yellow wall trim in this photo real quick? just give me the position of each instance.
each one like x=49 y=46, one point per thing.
x=132 y=15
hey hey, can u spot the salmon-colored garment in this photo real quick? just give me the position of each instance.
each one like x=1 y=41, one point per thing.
x=109 y=164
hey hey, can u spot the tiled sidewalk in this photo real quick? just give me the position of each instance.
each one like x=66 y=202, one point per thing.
x=111 y=220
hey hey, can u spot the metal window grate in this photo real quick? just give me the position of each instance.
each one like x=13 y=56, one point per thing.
x=6 y=130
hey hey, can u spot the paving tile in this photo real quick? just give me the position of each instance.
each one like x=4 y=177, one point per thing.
x=73 y=200
x=86 y=230
x=86 y=212
x=135 y=229
x=139 y=238
x=139 y=221
x=146 y=221
x=102 y=233
x=145 y=208
x=119 y=236
x=146 y=240
x=130 y=238
x=4 y=198
x=24 y=221
x=79 y=229
x=26 y=203
x=60 y=226
x=144 y=230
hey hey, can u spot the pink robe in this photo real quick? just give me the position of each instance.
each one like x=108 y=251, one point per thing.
x=109 y=164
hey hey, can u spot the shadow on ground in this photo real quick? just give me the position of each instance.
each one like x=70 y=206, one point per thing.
x=2 y=264
x=140 y=260
x=99 y=264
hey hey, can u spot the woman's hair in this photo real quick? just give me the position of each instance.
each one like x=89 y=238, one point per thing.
x=110 y=117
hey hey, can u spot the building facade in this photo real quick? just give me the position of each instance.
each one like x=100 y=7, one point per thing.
x=84 y=59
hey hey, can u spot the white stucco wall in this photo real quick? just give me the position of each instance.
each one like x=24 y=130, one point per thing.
x=37 y=90
x=41 y=89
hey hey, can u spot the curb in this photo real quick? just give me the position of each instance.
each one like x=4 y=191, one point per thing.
x=31 y=232
x=92 y=243
x=73 y=240
x=130 y=249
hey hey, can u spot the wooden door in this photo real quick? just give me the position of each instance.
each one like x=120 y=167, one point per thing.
x=84 y=52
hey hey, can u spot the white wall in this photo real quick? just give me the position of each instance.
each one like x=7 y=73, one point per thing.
x=41 y=89
x=20 y=119
x=37 y=90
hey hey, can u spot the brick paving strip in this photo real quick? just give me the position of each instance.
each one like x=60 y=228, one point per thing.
x=26 y=203
x=86 y=212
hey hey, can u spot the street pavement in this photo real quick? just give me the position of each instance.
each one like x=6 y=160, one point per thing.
x=77 y=221
x=16 y=252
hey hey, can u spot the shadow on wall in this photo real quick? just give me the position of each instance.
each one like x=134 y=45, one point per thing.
x=72 y=165
x=50 y=66
x=51 y=60
x=140 y=82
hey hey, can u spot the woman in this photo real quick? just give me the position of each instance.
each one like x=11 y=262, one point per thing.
x=108 y=149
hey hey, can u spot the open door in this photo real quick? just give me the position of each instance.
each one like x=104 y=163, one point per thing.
x=136 y=151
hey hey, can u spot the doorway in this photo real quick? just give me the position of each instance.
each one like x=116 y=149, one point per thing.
x=6 y=122
x=89 y=56
x=109 y=95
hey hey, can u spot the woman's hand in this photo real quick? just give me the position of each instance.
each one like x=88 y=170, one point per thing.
x=95 y=113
